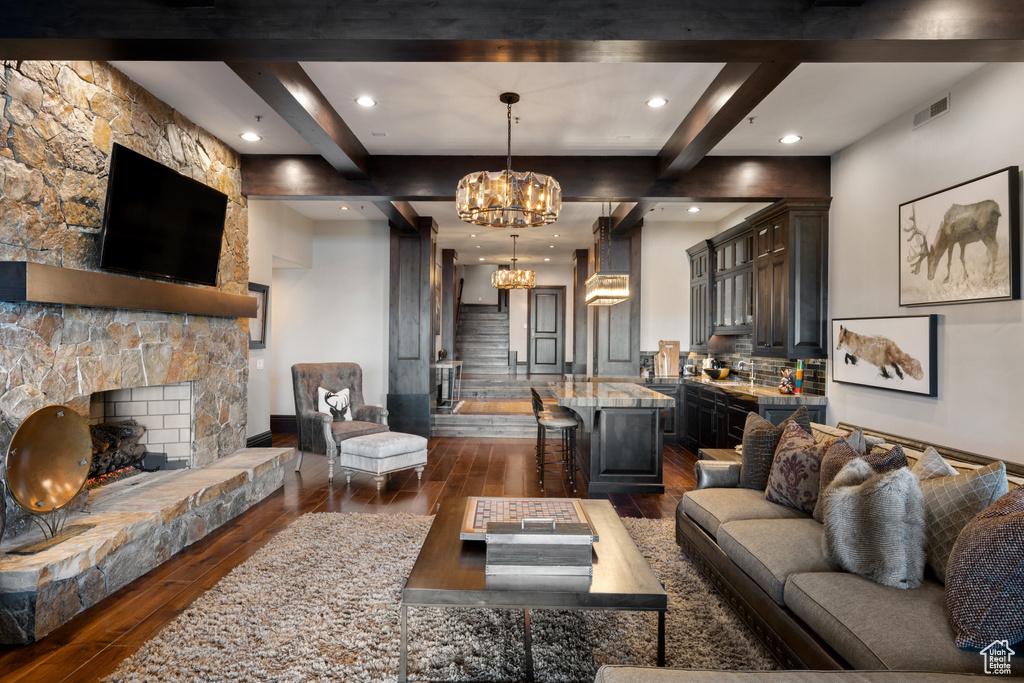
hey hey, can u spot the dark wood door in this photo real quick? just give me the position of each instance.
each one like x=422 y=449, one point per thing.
x=546 y=336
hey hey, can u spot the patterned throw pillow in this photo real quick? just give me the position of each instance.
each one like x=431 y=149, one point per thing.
x=841 y=452
x=951 y=502
x=337 y=404
x=795 y=470
x=985 y=579
x=760 y=438
x=874 y=524
x=931 y=465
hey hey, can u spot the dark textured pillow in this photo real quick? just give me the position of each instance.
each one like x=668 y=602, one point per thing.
x=951 y=502
x=793 y=481
x=874 y=524
x=760 y=438
x=841 y=453
x=985 y=579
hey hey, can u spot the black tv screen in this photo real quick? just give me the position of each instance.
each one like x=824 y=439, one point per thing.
x=160 y=223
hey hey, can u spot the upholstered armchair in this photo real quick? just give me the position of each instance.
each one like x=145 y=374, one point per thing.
x=319 y=432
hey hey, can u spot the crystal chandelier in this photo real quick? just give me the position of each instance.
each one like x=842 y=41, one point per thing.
x=606 y=287
x=508 y=199
x=514 y=279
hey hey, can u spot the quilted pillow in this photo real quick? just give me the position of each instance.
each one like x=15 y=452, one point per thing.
x=985 y=578
x=793 y=481
x=337 y=404
x=874 y=525
x=843 y=451
x=931 y=465
x=760 y=438
x=951 y=502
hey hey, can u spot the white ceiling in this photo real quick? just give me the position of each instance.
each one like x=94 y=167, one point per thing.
x=327 y=210
x=566 y=109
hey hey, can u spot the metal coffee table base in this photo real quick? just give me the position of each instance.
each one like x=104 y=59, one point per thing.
x=403 y=655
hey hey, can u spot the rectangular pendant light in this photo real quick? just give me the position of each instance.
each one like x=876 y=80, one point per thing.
x=607 y=288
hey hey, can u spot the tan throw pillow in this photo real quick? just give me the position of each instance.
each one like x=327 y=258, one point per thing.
x=793 y=481
x=931 y=465
x=760 y=438
x=874 y=525
x=951 y=502
x=841 y=453
x=985 y=579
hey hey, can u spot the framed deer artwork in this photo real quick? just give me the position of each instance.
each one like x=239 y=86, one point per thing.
x=895 y=353
x=962 y=244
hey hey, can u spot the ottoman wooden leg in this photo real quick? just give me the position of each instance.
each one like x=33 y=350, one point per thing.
x=380 y=480
x=348 y=476
x=419 y=473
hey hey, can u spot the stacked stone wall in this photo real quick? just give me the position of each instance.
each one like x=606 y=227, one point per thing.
x=58 y=122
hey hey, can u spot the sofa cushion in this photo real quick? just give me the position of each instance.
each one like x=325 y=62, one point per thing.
x=951 y=502
x=793 y=481
x=874 y=524
x=710 y=508
x=760 y=438
x=769 y=550
x=876 y=627
x=985 y=581
x=351 y=428
x=641 y=674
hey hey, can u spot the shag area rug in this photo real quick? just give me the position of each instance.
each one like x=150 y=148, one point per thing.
x=320 y=603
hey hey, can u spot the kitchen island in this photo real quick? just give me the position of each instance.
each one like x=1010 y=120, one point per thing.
x=618 y=449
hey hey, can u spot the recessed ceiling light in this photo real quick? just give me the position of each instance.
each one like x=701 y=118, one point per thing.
x=790 y=139
x=250 y=137
x=480 y=259
x=554 y=235
x=657 y=102
x=478 y=246
x=344 y=208
x=552 y=246
x=547 y=259
x=365 y=101
x=694 y=209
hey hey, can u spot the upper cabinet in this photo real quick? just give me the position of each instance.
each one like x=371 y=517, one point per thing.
x=767 y=277
x=700 y=301
x=791 y=279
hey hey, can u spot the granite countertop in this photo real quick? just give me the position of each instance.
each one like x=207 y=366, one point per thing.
x=603 y=394
x=763 y=395
x=633 y=379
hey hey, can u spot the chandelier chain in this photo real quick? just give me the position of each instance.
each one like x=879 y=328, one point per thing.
x=508 y=156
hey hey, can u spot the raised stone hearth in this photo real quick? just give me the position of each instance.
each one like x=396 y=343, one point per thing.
x=138 y=524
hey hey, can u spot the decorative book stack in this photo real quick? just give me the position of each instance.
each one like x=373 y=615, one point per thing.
x=540 y=547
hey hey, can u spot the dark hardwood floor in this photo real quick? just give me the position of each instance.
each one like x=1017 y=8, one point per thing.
x=92 y=644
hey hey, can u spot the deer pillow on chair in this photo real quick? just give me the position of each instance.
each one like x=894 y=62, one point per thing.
x=337 y=404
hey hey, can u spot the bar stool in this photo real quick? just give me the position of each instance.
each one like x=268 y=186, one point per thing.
x=562 y=421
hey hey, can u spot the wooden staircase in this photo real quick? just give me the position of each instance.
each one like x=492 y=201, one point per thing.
x=481 y=341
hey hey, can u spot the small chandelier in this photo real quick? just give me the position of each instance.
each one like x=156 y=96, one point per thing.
x=513 y=279
x=609 y=287
x=508 y=199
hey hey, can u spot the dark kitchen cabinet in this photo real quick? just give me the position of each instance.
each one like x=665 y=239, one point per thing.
x=672 y=417
x=791 y=279
x=712 y=419
x=733 y=281
x=700 y=295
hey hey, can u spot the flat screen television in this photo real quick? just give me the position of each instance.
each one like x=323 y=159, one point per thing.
x=160 y=223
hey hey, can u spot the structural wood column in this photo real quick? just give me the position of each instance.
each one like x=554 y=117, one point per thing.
x=580 y=273
x=449 y=293
x=617 y=328
x=411 y=328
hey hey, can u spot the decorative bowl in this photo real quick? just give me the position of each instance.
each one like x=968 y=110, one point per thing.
x=716 y=373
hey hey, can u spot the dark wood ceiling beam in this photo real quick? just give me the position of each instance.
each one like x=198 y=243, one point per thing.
x=268 y=30
x=429 y=178
x=736 y=90
x=290 y=92
x=628 y=215
x=401 y=215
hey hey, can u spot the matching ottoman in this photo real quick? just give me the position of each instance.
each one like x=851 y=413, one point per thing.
x=380 y=454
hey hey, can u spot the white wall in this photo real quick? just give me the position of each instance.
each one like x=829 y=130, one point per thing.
x=274 y=229
x=979 y=345
x=477 y=286
x=335 y=311
x=518 y=302
x=665 y=282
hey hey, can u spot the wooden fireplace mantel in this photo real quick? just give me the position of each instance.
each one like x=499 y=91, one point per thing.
x=39 y=283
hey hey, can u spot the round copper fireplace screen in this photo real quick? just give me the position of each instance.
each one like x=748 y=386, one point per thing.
x=48 y=459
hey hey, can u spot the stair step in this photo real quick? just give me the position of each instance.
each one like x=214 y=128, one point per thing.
x=484 y=426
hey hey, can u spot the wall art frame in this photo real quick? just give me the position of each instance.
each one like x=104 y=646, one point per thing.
x=961 y=244
x=896 y=353
x=258 y=325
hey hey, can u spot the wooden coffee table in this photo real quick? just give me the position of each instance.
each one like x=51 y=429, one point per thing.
x=449 y=572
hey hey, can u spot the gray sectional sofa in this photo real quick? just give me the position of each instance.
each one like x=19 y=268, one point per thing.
x=768 y=561
x=641 y=674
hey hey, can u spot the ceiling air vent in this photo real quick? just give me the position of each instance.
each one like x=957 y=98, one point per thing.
x=935 y=109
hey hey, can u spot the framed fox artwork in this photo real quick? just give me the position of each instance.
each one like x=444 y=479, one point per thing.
x=896 y=353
